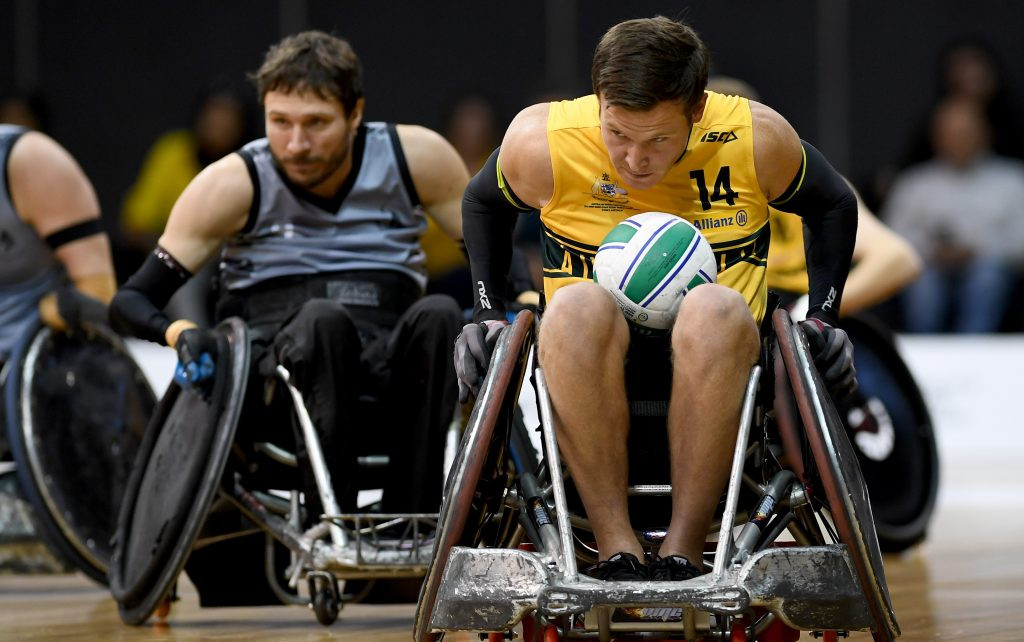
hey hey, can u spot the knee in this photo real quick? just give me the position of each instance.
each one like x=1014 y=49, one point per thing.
x=582 y=314
x=440 y=306
x=715 y=320
x=437 y=313
x=324 y=316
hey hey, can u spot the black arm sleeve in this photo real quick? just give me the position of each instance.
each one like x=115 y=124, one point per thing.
x=137 y=308
x=489 y=212
x=825 y=202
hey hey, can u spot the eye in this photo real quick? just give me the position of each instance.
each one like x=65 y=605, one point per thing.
x=661 y=139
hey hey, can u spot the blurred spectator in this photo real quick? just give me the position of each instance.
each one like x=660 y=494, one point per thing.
x=961 y=211
x=969 y=69
x=219 y=126
x=472 y=128
x=27 y=109
x=221 y=123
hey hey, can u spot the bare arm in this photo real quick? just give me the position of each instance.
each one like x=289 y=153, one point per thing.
x=884 y=263
x=796 y=177
x=438 y=174
x=51 y=193
x=514 y=179
x=525 y=157
x=213 y=207
x=777 y=153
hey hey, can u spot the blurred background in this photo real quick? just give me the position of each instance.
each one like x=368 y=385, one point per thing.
x=857 y=79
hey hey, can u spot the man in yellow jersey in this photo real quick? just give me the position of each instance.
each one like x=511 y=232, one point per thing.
x=650 y=138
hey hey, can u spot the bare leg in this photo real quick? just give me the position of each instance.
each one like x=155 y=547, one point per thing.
x=714 y=345
x=583 y=343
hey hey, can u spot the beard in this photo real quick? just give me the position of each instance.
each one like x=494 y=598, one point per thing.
x=308 y=172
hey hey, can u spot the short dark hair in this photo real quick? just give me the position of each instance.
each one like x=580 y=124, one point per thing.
x=639 y=63
x=313 y=61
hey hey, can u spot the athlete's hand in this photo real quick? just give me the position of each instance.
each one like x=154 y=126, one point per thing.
x=196 y=348
x=833 y=355
x=67 y=307
x=473 y=351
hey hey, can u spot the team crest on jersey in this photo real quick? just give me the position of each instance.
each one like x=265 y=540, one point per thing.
x=605 y=189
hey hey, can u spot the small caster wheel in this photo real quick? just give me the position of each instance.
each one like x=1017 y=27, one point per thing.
x=326 y=596
x=325 y=605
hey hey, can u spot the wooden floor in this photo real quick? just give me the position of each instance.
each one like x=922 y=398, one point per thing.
x=966 y=582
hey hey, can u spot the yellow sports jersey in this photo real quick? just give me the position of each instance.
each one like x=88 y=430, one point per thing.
x=787 y=263
x=713 y=186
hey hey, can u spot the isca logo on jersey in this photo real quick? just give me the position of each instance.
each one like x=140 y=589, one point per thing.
x=718 y=137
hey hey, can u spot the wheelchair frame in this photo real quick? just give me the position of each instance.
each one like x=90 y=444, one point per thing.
x=825 y=582
x=339 y=547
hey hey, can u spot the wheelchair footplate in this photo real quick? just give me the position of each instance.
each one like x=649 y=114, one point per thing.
x=494 y=589
x=378 y=545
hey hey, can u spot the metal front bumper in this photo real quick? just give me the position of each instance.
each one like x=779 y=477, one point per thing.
x=807 y=587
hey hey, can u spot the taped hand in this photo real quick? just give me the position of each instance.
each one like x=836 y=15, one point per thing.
x=833 y=355
x=473 y=351
x=66 y=308
x=195 y=348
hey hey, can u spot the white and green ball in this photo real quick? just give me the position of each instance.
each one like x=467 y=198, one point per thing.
x=649 y=262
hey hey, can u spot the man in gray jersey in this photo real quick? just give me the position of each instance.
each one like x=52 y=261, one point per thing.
x=317 y=231
x=55 y=255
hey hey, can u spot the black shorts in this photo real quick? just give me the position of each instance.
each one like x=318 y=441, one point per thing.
x=648 y=389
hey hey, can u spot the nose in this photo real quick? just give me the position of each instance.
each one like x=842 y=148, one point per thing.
x=298 y=141
x=636 y=159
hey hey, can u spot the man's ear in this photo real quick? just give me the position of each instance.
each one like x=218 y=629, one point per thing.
x=356 y=117
x=698 y=110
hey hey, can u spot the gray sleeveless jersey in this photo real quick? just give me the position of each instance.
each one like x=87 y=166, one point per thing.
x=374 y=223
x=28 y=269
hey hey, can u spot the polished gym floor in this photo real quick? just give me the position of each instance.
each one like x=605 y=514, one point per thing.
x=965 y=582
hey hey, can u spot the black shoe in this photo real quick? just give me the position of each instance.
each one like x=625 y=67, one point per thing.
x=673 y=568
x=622 y=567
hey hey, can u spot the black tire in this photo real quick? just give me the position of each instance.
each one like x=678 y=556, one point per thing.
x=833 y=465
x=477 y=479
x=904 y=484
x=75 y=409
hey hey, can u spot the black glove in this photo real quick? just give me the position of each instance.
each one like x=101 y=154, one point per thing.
x=74 y=307
x=833 y=355
x=196 y=348
x=473 y=351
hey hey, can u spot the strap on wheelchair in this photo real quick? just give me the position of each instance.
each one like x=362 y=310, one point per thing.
x=372 y=296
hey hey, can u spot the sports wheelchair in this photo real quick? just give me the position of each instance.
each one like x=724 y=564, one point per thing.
x=75 y=409
x=209 y=499
x=795 y=548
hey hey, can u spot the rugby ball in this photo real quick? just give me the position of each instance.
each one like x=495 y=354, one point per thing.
x=649 y=262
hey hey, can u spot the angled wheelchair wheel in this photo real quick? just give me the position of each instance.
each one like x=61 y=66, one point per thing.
x=474 y=491
x=900 y=462
x=76 y=408
x=176 y=476
x=831 y=465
